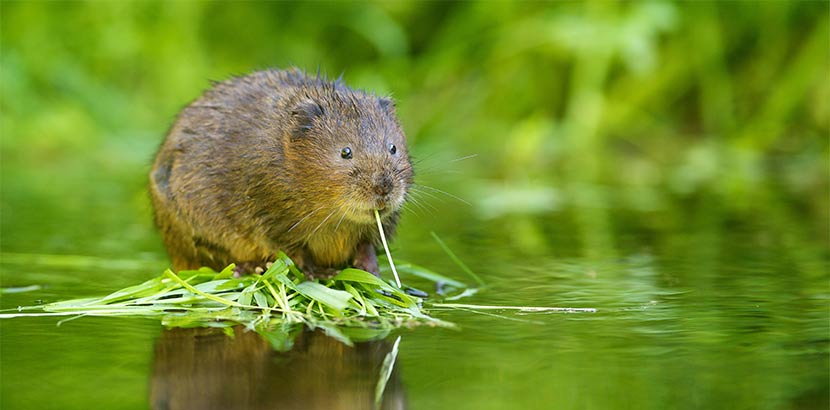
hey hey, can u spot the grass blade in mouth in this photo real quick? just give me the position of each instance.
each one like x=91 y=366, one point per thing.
x=386 y=248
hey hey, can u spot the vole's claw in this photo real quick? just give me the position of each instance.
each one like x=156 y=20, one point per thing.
x=320 y=273
x=246 y=268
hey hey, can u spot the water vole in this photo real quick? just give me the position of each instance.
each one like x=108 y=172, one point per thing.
x=278 y=160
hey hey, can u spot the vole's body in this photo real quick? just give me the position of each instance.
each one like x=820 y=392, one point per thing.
x=259 y=164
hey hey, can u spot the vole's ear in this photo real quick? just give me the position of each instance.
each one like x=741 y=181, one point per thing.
x=388 y=104
x=304 y=114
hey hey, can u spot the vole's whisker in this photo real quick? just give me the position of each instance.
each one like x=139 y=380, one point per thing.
x=416 y=206
x=426 y=165
x=412 y=196
x=434 y=170
x=421 y=191
x=424 y=158
x=350 y=209
x=464 y=157
x=303 y=219
x=407 y=208
x=442 y=192
x=409 y=205
x=323 y=221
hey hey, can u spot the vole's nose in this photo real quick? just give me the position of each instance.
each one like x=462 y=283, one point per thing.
x=383 y=185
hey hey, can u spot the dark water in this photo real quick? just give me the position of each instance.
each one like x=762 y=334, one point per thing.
x=701 y=304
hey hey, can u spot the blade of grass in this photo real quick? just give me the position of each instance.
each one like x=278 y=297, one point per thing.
x=519 y=308
x=169 y=273
x=366 y=278
x=333 y=298
x=457 y=261
x=226 y=273
x=144 y=289
x=386 y=248
x=427 y=274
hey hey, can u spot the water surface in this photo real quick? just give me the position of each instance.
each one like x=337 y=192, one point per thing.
x=698 y=306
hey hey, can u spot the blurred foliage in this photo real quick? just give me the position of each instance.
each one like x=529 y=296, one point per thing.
x=636 y=151
x=593 y=105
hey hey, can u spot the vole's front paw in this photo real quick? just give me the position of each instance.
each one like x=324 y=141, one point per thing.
x=366 y=259
x=370 y=266
x=247 y=268
x=320 y=273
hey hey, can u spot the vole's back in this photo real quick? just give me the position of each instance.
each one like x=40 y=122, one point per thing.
x=258 y=164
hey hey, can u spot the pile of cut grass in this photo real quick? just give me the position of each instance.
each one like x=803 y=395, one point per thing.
x=352 y=306
x=279 y=303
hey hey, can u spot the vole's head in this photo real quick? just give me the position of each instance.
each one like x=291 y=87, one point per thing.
x=349 y=153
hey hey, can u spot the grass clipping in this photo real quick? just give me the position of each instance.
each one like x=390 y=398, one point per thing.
x=352 y=306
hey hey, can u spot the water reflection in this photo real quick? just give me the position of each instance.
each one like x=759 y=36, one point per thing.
x=202 y=368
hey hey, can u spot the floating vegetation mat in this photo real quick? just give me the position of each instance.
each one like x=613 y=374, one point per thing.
x=352 y=306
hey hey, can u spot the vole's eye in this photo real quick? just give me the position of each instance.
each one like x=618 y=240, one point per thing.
x=346 y=153
x=392 y=149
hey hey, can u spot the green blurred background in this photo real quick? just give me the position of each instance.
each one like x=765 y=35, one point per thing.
x=641 y=106
x=665 y=162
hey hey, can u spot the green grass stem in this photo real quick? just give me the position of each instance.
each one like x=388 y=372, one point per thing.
x=386 y=248
x=457 y=260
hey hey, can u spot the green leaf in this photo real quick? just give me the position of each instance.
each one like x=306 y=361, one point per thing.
x=261 y=299
x=227 y=272
x=360 y=276
x=145 y=289
x=285 y=281
x=212 y=286
x=291 y=266
x=246 y=296
x=333 y=298
x=278 y=267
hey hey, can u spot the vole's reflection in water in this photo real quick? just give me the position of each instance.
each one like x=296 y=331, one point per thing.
x=202 y=368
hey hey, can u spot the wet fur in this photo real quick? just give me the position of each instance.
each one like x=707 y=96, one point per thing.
x=253 y=167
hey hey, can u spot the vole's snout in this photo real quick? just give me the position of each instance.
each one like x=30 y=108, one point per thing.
x=382 y=189
x=383 y=185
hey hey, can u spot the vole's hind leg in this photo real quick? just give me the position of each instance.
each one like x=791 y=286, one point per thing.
x=366 y=259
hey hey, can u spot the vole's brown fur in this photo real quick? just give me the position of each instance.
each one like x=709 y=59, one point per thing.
x=256 y=165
